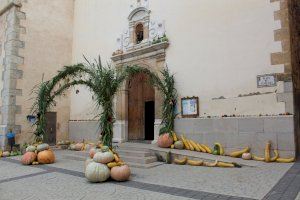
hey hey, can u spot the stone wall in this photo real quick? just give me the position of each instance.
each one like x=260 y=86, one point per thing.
x=237 y=133
x=84 y=130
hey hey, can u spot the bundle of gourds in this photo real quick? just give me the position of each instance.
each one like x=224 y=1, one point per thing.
x=217 y=163
x=38 y=154
x=171 y=140
x=8 y=154
x=104 y=163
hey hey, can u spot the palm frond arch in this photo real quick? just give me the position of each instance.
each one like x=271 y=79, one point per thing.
x=104 y=83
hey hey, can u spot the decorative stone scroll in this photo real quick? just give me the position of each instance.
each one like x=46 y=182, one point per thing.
x=141 y=31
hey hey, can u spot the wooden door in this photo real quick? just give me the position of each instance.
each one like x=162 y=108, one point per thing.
x=50 y=136
x=139 y=91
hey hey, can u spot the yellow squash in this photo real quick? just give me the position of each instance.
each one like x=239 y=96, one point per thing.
x=180 y=162
x=174 y=136
x=225 y=164
x=267 y=152
x=220 y=148
x=195 y=162
x=186 y=146
x=209 y=164
x=117 y=159
x=201 y=148
x=207 y=149
x=112 y=164
x=285 y=160
x=190 y=144
x=257 y=158
x=172 y=146
x=276 y=155
x=237 y=154
x=195 y=145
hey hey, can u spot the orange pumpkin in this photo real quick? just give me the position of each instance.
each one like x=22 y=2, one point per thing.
x=93 y=151
x=28 y=158
x=120 y=173
x=46 y=157
x=165 y=140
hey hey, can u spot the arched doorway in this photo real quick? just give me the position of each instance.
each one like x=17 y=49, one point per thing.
x=141 y=108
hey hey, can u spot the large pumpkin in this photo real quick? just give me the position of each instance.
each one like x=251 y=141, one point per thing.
x=79 y=146
x=42 y=147
x=165 y=140
x=46 y=157
x=93 y=151
x=97 y=172
x=103 y=158
x=30 y=148
x=28 y=158
x=120 y=173
x=87 y=162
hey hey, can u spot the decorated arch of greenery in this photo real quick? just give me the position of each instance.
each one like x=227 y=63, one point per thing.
x=103 y=82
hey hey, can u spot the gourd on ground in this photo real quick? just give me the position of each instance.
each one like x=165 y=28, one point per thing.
x=120 y=173
x=6 y=154
x=28 y=158
x=97 y=172
x=79 y=146
x=103 y=157
x=46 y=157
x=247 y=156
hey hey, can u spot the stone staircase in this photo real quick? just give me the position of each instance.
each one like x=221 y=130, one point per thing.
x=137 y=155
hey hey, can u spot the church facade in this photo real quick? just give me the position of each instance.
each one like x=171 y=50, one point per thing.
x=232 y=60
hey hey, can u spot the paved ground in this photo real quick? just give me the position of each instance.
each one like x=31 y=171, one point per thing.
x=65 y=180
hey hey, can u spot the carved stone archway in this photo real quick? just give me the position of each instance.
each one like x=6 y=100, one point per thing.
x=152 y=58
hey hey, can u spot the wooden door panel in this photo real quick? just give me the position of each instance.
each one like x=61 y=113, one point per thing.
x=50 y=136
x=139 y=91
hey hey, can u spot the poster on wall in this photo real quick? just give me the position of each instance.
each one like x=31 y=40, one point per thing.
x=190 y=107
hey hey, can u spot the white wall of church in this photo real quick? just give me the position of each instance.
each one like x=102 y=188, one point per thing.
x=217 y=48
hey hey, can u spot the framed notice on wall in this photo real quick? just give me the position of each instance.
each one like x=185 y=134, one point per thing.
x=190 y=107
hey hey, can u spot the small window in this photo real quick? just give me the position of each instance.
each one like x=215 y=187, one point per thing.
x=139 y=33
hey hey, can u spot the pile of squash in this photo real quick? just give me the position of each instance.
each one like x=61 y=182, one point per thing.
x=38 y=154
x=81 y=146
x=104 y=163
x=8 y=154
x=171 y=140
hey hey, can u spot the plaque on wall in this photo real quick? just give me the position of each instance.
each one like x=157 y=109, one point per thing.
x=190 y=107
x=266 y=80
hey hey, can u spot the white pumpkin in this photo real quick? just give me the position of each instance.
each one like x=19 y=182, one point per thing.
x=87 y=162
x=247 y=156
x=42 y=147
x=72 y=146
x=103 y=157
x=97 y=172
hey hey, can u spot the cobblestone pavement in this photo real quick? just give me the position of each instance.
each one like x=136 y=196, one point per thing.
x=65 y=180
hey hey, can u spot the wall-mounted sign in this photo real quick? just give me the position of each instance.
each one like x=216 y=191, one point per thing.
x=266 y=80
x=190 y=107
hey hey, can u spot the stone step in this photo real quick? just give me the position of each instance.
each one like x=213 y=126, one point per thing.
x=133 y=148
x=125 y=152
x=140 y=160
x=144 y=166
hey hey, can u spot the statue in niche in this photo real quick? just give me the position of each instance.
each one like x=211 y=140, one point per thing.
x=139 y=31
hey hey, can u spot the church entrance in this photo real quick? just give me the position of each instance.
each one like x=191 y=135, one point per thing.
x=141 y=100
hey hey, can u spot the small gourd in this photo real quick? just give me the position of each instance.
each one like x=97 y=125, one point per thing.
x=178 y=145
x=72 y=146
x=30 y=148
x=79 y=146
x=42 y=147
x=97 y=172
x=247 y=156
x=104 y=158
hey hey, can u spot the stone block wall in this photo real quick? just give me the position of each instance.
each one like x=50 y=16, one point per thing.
x=237 y=133
x=83 y=130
